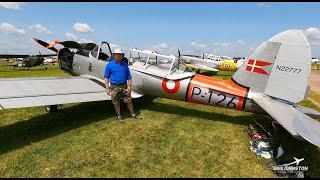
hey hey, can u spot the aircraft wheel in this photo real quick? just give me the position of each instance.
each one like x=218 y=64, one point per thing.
x=51 y=108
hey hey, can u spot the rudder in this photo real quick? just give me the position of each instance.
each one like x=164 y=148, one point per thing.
x=279 y=67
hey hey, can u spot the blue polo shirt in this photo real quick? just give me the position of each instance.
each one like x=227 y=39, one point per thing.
x=117 y=73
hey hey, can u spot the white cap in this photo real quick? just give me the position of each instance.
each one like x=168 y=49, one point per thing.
x=118 y=51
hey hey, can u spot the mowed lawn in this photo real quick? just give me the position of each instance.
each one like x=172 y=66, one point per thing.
x=174 y=139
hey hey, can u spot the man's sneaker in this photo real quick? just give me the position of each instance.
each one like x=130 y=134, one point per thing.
x=119 y=118
x=136 y=117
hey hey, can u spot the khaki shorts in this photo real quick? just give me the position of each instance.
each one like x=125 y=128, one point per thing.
x=118 y=92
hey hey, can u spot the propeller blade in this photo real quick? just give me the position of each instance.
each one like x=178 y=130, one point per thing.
x=72 y=45
x=46 y=45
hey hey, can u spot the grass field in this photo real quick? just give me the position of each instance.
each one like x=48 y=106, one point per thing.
x=174 y=139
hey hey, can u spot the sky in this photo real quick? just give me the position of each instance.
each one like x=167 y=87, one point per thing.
x=232 y=29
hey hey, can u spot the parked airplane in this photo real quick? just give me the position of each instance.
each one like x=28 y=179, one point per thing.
x=218 y=58
x=272 y=81
x=315 y=60
x=196 y=62
x=50 y=60
x=26 y=60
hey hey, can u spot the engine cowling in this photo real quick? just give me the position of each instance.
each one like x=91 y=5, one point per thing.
x=65 y=58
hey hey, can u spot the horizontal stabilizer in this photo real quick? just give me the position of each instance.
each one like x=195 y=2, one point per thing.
x=307 y=128
x=291 y=118
x=310 y=112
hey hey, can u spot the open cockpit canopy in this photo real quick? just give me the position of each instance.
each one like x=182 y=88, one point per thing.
x=101 y=51
x=151 y=62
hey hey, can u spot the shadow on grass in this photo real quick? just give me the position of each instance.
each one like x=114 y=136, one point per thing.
x=212 y=116
x=208 y=73
x=39 y=128
x=48 y=125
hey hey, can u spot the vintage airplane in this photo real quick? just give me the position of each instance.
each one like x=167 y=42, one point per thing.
x=219 y=58
x=27 y=60
x=272 y=81
x=209 y=64
x=50 y=60
x=315 y=60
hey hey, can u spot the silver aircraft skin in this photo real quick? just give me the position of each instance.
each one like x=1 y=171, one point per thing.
x=272 y=80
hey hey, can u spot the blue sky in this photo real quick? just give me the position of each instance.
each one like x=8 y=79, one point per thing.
x=234 y=29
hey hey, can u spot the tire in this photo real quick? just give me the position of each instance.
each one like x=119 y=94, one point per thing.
x=51 y=108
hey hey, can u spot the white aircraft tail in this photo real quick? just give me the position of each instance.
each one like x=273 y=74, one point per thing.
x=279 y=67
x=277 y=75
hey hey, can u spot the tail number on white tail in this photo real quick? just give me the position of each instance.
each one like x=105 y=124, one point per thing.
x=288 y=69
x=208 y=96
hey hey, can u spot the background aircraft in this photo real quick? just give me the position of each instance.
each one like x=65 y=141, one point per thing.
x=26 y=60
x=269 y=82
x=50 y=60
x=315 y=60
x=209 y=64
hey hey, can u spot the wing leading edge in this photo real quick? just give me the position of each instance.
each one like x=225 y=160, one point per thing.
x=291 y=118
x=30 y=92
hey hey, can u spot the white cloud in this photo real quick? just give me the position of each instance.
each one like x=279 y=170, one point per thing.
x=71 y=36
x=83 y=40
x=241 y=42
x=263 y=4
x=313 y=35
x=11 y=5
x=23 y=45
x=198 y=45
x=161 y=46
x=113 y=46
x=39 y=28
x=82 y=27
x=224 y=45
x=9 y=28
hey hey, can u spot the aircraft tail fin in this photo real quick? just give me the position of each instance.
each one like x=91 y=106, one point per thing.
x=279 y=67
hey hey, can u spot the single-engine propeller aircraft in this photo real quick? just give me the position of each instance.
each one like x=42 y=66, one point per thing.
x=209 y=64
x=27 y=60
x=272 y=81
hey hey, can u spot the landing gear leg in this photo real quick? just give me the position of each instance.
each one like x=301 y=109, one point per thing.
x=51 y=108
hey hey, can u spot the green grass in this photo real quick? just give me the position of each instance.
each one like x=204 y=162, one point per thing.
x=174 y=139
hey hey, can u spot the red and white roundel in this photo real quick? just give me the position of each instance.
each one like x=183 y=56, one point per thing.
x=170 y=86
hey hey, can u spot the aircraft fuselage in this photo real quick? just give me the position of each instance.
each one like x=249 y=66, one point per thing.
x=197 y=88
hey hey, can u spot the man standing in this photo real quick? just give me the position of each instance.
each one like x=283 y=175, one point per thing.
x=118 y=74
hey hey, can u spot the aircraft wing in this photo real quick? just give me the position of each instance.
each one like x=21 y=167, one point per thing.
x=292 y=119
x=30 y=92
x=204 y=67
